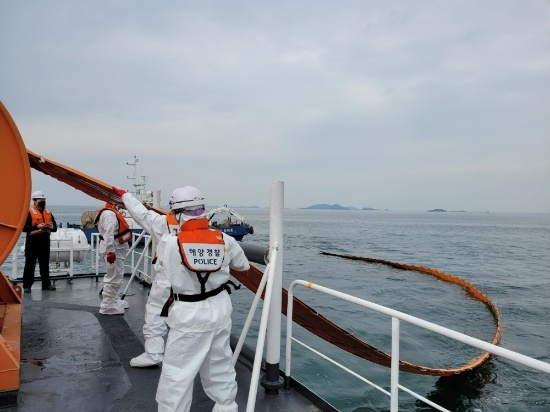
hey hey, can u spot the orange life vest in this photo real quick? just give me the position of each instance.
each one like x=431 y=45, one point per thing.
x=202 y=249
x=40 y=217
x=124 y=233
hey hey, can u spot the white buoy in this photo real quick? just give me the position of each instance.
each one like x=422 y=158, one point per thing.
x=65 y=240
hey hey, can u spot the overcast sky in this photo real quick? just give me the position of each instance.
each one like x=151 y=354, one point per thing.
x=400 y=105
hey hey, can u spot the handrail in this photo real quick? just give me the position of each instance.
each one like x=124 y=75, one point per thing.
x=262 y=331
x=141 y=256
x=396 y=317
x=70 y=249
x=251 y=312
x=136 y=239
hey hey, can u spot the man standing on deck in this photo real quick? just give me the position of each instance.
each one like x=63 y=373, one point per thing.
x=38 y=226
x=157 y=225
x=194 y=271
x=114 y=235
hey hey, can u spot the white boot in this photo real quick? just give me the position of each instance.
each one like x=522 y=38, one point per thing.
x=111 y=306
x=146 y=359
x=225 y=408
x=124 y=303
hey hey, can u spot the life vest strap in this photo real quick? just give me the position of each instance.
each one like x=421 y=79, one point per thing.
x=203 y=296
x=200 y=296
x=196 y=298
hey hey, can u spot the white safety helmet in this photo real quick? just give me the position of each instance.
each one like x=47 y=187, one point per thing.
x=187 y=201
x=39 y=194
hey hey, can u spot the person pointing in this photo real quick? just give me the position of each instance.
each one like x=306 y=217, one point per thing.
x=193 y=270
x=157 y=225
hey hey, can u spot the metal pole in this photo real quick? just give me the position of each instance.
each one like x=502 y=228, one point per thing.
x=145 y=248
x=71 y=256
x=394 y=382
x=272 y=381
x=250 y=316
x=156 y=203
x=14 y=262
x=250 y=405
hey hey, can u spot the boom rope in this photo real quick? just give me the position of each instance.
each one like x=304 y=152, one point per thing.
x=80 y=181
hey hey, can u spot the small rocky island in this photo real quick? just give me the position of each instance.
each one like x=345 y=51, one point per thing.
x=325 y=206
x=437 y=210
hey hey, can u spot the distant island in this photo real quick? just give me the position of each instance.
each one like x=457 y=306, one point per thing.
x=325 y=206
x=231 y=207
x=437 y=210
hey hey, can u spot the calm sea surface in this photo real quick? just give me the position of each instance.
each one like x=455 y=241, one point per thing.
x=506 y=256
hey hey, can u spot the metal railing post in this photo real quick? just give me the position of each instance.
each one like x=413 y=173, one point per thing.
x=14 y=262
x=262 y=332
x=95 y=244
x=288 y=348
x=71 y=257
x=251 y=312
x=272 y=381
x=394 y=398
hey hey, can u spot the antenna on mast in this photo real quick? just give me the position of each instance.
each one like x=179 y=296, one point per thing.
x=139 y=191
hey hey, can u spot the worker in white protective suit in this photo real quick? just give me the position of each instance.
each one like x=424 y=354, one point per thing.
x=195 y=264
x=114 y=234
x=157 y=225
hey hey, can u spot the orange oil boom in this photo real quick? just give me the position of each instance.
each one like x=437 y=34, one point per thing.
x=467 y=286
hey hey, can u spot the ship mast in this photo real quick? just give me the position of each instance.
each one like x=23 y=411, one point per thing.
x=139 y=191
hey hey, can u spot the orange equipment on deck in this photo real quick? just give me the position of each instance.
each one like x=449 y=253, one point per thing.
x=14 y=163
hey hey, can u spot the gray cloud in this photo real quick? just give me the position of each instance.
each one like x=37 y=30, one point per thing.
x=398 y=105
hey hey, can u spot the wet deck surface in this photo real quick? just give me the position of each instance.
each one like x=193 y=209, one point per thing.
x=73 y=358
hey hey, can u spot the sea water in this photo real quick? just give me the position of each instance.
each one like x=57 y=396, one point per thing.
x=506 y=256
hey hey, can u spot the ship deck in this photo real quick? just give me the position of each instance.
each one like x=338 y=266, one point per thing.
x=73 y=358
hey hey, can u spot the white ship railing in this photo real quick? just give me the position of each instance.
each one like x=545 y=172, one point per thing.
x=270 y=321
x=396 y=318
x=267 y=283
x=137 y=260
x=63 y=246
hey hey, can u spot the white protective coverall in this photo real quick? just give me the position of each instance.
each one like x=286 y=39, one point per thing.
x=107 y=227
x=156 y=225
x=198 y=339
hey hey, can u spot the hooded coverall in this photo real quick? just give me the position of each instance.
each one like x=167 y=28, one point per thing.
x=156 y=225
x=108 y=228
x=198 y=338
